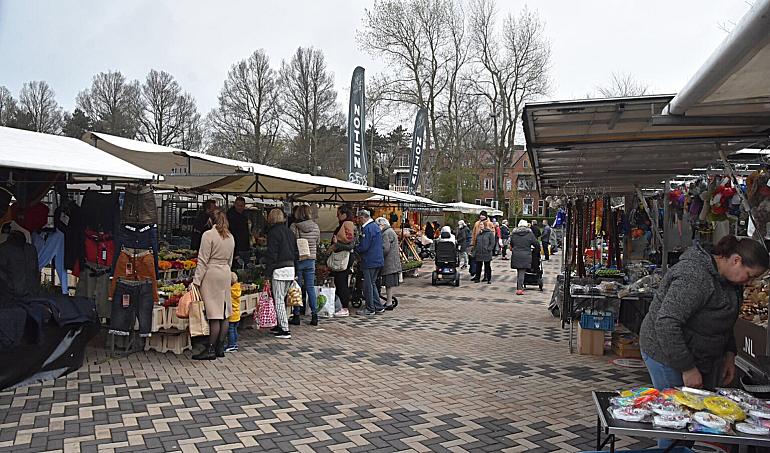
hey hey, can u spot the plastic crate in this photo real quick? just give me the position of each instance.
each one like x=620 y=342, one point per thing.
x=173 y=321
x=177 y=343
x=597 y=322
x=158 y=318
x=155 y=343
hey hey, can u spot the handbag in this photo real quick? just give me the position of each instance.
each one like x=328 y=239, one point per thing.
x=265 y=312
x=338 y=261
x=303 y=247
x=186 y=301
x=199 y=326
x=294 y=295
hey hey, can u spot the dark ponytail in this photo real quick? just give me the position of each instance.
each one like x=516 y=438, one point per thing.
x=752 y=253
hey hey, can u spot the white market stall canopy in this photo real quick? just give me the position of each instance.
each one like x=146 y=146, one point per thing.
x=404 y=199
x=615 y=145
x=468 y=208
x=203 y=173
x=54 y=153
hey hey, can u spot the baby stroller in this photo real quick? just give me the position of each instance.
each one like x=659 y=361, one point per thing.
x=534 y=275
x=446 y=264
x=425 y=249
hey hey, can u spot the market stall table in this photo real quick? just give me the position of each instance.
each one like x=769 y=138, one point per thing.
x=612 y=428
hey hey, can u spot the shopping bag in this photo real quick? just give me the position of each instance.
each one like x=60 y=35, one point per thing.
x=338 y=261
x=303 y=246
x=265 y=312
x=294 y=295
x=326 y=302
x=186 y=301
x=199 y=325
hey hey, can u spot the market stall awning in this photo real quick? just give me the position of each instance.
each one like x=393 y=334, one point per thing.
x=468 y=208
x=612 y=145
x=733 y=86
x=404 y=199
x=54 y=153
x=203 y=173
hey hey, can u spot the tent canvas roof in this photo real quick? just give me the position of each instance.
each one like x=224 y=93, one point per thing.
x=186 y=170
x=36 y=151
x=468 y=208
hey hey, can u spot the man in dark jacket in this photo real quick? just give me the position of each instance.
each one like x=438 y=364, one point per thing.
x=545 y=238
x=463 y=242
x=202 y=223
x=370 y=250
x=505 y=234
x=239 y=228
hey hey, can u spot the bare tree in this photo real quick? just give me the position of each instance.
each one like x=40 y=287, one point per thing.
x=167 y=113
x=37 y=102
x=513 y=70
x=309 y=101
x=247 y=119
x=623 y=85
x=113 y=104
x=413 y=37
x=8 y=108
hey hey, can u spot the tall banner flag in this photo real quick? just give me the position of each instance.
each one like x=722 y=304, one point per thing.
x=357 y=162
x=418 y=140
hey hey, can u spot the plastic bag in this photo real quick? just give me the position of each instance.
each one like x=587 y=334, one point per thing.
x=294 y=295
x=631 y=414
x=671 y=421
x=704 y=422
x=725 y=408
x=752 y=429
x=326 y=297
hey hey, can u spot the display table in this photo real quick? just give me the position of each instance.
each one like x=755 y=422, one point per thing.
x=611 y=427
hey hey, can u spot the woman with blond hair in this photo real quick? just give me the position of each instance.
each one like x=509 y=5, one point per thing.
x=212 y=277
x=305 y=228
x=280 y=259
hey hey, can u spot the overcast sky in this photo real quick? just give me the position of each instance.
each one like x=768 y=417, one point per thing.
x=66 y=42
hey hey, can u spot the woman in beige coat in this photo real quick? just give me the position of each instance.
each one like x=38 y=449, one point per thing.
x=212 y=277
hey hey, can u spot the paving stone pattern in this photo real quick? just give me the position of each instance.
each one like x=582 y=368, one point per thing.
x=473 y=368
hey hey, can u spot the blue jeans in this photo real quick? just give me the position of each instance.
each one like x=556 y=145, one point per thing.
x=306 y=276
x=370 y=288
x=52 y=248
x=232 y=334
x=663 y=377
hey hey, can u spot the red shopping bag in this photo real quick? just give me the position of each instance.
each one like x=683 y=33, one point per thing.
x=265 y=313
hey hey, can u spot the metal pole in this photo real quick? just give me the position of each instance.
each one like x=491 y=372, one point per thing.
x=666 y=218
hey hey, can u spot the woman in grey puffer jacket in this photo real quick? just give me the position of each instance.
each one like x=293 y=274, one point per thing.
x=391 y=270
x=305 y=228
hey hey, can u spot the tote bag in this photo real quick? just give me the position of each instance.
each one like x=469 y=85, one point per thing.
x=265 y=313
x=199 y=325
x=338 y=261
x=186 y=301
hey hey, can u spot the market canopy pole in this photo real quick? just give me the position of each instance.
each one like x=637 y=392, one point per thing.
x=357 y=158
x=649 y=214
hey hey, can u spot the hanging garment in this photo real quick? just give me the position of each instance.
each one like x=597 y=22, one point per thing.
x=100 y=211
x=94 y=284
x=132 y=300
x=136 y=265
x=141 y=236
x=50 y=246
x=19 y=272
x=139 y=205
x=99 y=248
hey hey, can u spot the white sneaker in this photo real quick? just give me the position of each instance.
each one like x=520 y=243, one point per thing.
x=342 y=313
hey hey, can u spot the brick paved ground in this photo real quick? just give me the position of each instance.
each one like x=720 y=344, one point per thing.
x=474 y=368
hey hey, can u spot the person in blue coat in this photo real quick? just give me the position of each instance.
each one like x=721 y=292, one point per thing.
x=370 y=250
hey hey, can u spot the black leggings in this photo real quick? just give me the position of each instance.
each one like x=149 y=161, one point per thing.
x=487 y=265
x=342 y=288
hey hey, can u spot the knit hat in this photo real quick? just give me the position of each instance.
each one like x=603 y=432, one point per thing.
x=523 y=224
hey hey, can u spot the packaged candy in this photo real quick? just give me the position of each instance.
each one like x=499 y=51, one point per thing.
x=666 y=407
x=699 y=392
x=671 y=421
x=622 y=401
x=759 y=421
x=760 y=413
x=750 y=428
x=690 y=400
x=630 y=414
x=737 y=395
x=704 y=422
x=641 y=391
x=725 y=408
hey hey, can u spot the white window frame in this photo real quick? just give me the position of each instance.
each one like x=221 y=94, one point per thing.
x=488 y=184
x=527 y=206
x=508 y=184
x=541 y=208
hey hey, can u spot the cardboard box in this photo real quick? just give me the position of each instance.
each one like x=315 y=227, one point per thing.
x=626 y=345
x=590 y=342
